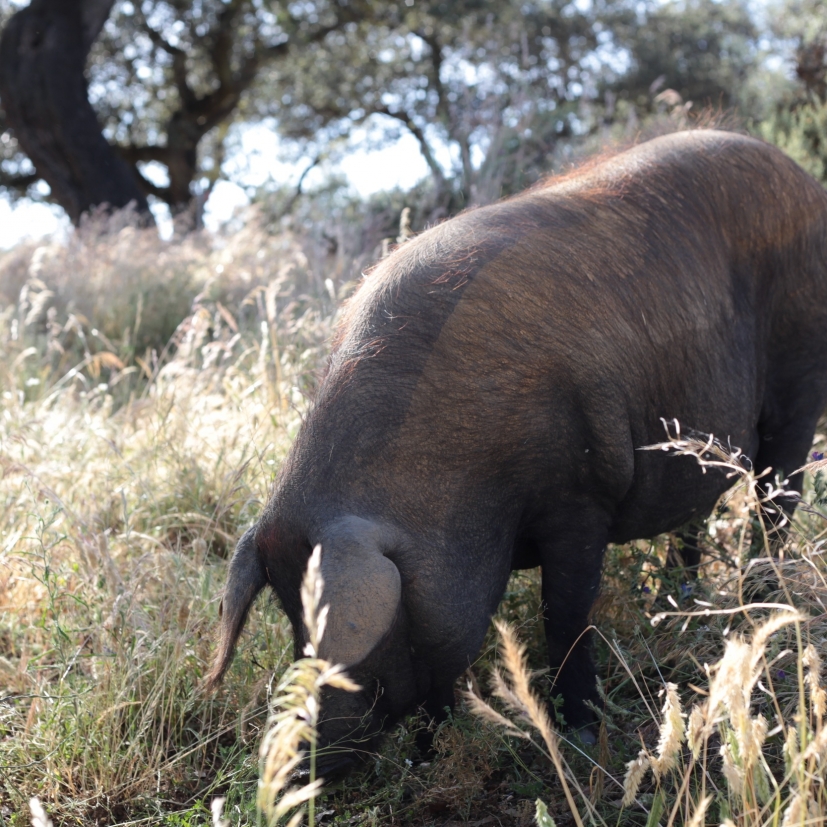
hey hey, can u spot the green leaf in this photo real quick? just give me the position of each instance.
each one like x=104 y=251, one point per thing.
x=656 y=812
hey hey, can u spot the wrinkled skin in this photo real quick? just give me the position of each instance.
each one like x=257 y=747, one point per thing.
x=488 y=389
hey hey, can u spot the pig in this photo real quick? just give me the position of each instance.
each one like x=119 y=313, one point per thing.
x=488 y=390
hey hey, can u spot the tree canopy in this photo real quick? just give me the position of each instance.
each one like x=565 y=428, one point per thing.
x=162 y=76
x=489 y=90
x=497 y=86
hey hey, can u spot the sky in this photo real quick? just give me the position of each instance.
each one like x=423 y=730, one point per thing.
x=400 y=164
x=253 y=164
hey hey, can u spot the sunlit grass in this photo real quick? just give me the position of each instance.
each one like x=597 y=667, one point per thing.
x=126 y=481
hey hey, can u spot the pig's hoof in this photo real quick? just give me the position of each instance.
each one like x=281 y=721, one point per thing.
x=587 y=735
x=331 y=768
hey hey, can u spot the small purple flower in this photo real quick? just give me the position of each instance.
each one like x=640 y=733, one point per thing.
x=781 y=674
x=686 y=589
x=818 y=456
x=646 y=590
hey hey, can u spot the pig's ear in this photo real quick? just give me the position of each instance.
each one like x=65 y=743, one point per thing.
x=362 y=587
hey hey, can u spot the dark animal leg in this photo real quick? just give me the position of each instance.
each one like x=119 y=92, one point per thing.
x=784 y=451
x=572 y=563
x=440 y=702
x=438 y=705
x=688 y=555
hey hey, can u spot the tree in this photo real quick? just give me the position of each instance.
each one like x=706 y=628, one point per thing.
x=163 y=76
x=42 y=57
x=490 y=89
x=799 y=122
x=703 y=49
x=469 y=80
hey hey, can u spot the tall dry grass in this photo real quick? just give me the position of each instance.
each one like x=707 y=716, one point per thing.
x=115 y=302
x=149 y=391
x=752 y=750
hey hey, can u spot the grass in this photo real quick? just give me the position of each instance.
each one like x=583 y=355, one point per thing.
x=149 y=392
x=125 y=481
x=751 y=749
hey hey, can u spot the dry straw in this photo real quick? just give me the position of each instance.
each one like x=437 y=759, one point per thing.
x=291 y=738
x=516 y=694
x=726 y=774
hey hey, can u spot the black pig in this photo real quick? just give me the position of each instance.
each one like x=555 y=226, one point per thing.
x=490 y=383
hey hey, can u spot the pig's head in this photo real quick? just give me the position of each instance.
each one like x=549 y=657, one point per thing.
x=367 y=632
x=366 y=629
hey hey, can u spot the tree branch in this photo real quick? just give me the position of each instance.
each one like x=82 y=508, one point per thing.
x=20 y=182
x=464 y=141
x=221 y=52
x=134 y=154
x=436 y=81
x=418 y=133
x=179 y=58
x=197 y=114
x=288 y=207
x=281 y=49
x=214 y=107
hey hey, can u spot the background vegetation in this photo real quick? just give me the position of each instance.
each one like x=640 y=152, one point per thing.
x=107 y=102
x=149 y=390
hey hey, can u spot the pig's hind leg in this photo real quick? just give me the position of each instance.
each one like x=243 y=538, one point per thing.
x=571 y=556
x=783 y=449
x=794 y=400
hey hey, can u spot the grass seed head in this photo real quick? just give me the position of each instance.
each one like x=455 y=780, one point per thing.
x=791 y=747
x=761 y=637
x=477 y=706
x=315 y=617
x=697 y=819
x=728 y=685
x=818 y=697
x=802 y=811
x=733 y=771
x=817 y=748
x=695 y=730
x=635 y=772
x=672 y=732
x=752 y=739
x=519 y=697
x=39 y=816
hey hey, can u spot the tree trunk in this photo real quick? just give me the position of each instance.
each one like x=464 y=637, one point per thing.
x=43 y=89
